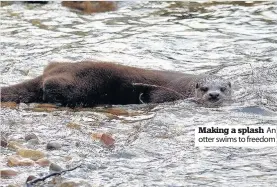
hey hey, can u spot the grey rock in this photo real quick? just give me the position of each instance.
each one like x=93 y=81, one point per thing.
x=53 y=146
x=55 y=168
x=30 y=136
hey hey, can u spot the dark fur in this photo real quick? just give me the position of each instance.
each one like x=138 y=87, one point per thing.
x=93 y=83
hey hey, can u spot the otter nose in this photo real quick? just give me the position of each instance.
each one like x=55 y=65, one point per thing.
x=213 y=95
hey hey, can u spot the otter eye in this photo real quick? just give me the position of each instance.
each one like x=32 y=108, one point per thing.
x=222 y=89
x=204 y=89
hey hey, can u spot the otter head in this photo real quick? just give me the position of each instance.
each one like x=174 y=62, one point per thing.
x=212 y=91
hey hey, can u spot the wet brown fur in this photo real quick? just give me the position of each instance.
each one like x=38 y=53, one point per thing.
x=92 y=83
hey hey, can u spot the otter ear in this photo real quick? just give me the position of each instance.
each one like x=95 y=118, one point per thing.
x=229 y=84
x=197 y=86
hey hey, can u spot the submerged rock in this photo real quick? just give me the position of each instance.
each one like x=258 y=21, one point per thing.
x=107 y=140
x=14 y=145
x=46 y=105
x=4 y=142
x=30 y=178
x=30 y=136
x=16 y=160
x=117 y=111
x=75 y=182
x=43 y=162
x=55 y=168
x=73 y=126
x=43 y=109
x=53 y=146
x=91 y=7
x=11 y=105
x=8 y=173
x=33 y=142
x=30 y=153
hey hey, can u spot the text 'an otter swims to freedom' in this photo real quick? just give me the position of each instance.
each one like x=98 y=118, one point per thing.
x=236 y=136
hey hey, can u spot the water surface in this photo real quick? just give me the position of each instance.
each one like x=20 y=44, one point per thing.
x=155 y=147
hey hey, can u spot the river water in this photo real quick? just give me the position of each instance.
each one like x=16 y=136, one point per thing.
x=155 y=145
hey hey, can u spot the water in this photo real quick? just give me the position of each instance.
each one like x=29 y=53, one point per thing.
x=155 y=146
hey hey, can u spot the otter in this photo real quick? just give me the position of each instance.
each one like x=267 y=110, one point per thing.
x=89 y=83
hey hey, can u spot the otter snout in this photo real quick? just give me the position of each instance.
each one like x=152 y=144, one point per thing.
x=213 y=96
